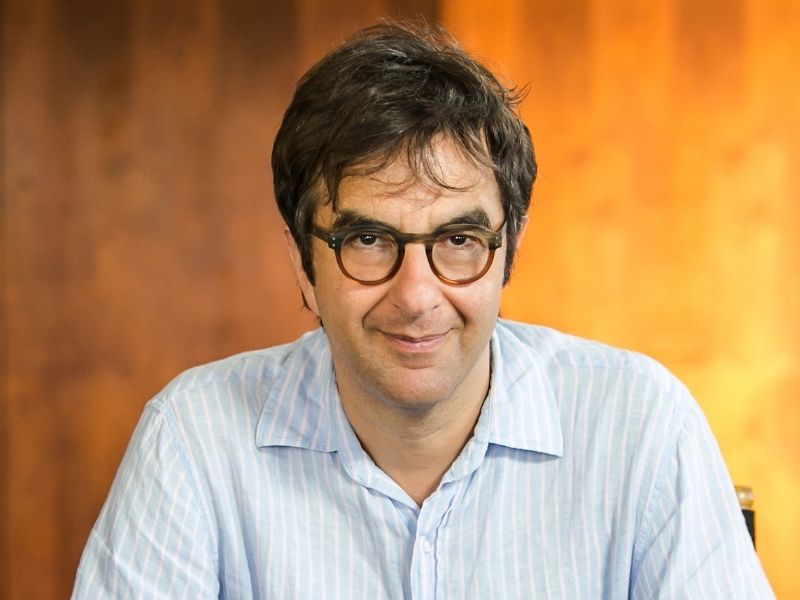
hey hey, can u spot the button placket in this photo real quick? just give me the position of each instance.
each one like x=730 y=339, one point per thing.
x=426 y=563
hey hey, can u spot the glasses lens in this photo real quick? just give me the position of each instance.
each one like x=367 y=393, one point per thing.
x=368 y=256
x=461 y=255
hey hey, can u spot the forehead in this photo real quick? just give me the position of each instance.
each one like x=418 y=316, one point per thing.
x=416 y=199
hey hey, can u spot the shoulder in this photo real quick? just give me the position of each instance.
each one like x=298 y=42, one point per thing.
x=236 y=385
x=599 y=391
x=206 y=419
x=556 y=349
x=564 y=356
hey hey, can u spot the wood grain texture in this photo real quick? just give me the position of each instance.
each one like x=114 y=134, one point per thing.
x=140 y=235
x=666 y=215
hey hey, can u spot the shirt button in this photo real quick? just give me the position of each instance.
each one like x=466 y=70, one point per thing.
x=426 y=545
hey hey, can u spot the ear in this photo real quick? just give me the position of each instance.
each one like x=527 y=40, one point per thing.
x=297 y=266
x=523 y=225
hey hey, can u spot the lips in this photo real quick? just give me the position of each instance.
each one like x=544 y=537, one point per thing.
x=416 y=343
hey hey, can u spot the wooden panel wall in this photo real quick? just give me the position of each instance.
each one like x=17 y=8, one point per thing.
x=139 y=235
x=667 y=213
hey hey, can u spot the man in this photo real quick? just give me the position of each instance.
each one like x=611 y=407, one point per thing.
x=415 y=446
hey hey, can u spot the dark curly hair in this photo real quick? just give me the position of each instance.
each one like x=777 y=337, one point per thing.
x=389 y=91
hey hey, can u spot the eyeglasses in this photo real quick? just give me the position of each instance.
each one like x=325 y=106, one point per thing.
x=372 y=254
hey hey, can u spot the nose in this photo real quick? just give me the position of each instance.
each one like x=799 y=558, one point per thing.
x=415 y=289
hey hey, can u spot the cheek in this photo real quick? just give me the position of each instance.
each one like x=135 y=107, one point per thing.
x=479 y=301
x=327 y=283
x=485 y=301
x=343 y=303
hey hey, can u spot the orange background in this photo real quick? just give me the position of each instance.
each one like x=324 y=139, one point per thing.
x=139 y=234
x=667 y=214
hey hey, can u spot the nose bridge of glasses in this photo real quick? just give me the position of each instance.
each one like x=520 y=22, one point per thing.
x=427 y=239
x=414 y=262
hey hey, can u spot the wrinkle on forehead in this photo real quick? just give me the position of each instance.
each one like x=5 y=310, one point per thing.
x=419 y=179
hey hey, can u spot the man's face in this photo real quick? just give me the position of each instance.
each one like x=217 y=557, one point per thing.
x=412 y=342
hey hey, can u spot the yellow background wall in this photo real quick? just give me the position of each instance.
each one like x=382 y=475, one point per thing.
x=666 y=216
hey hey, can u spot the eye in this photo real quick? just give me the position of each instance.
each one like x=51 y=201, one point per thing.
x=369 y=240
x=461 y=240
x=366 y=239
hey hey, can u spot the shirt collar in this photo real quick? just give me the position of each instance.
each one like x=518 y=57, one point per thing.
x=298 y=403
x=522 y=410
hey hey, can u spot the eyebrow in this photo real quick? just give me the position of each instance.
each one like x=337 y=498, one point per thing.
x=349 y=218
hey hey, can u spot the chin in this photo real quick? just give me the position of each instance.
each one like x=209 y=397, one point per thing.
x=413 y=398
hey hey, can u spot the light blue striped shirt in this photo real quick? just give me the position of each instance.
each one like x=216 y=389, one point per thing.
x=591 y=474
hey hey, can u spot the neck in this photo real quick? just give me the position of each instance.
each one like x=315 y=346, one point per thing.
x=416 y=446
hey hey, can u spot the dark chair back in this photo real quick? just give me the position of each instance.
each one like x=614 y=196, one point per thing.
x=745 y=495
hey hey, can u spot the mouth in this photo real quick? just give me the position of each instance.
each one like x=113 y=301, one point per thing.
x=416 y=344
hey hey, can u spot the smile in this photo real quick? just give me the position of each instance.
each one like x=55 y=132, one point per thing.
x=416 y=344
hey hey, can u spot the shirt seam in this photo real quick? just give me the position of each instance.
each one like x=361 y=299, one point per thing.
x=654 y=496
x=164 y=413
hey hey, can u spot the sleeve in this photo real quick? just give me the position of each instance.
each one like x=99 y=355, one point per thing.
x=152 y=538
x=694 y=542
